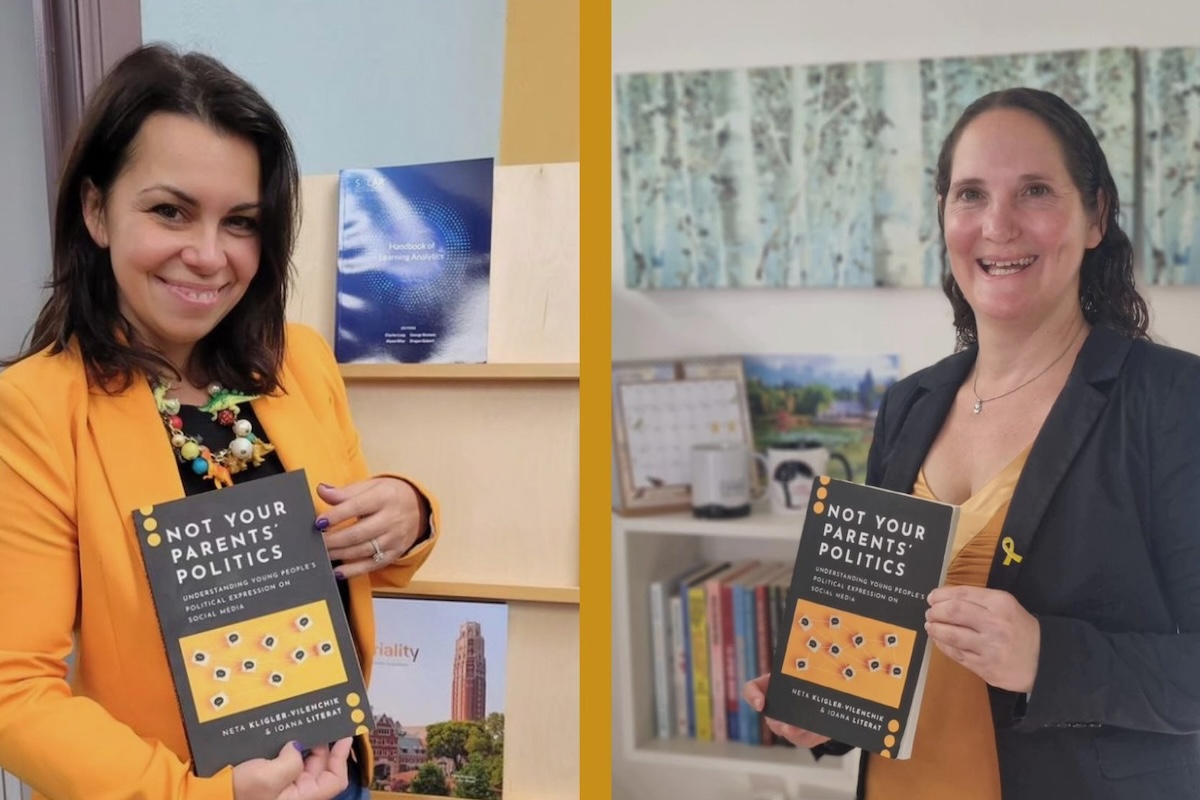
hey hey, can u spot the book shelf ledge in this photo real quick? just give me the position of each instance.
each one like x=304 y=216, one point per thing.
x=760 y=524
x=548 y=371
x=563 y=595
x=747 y=759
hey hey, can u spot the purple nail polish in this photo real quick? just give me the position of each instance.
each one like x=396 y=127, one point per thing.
x=322 y=523
x=298 y=746
x=337 y=573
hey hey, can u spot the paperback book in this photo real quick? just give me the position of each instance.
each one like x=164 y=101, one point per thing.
x=252 y=620
x=414 y=263
x=439 y=677
x=852 y=662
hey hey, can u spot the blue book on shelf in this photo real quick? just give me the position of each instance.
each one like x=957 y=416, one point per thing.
x=414 y=263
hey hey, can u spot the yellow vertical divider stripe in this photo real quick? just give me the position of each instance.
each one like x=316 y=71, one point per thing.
x=595 y=534
x=539 y=117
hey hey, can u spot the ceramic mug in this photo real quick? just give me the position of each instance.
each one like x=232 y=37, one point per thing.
x=721 y=480
x=791 y=469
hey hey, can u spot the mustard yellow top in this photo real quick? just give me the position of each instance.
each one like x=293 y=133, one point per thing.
x=954 y=754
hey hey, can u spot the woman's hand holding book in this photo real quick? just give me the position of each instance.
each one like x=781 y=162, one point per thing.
x=755 y=693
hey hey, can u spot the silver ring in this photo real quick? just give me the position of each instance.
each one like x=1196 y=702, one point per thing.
x=379 y=556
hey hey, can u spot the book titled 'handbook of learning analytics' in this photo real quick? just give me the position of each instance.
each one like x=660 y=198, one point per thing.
x=414 y=263
x=252 y=621
x=851 y=661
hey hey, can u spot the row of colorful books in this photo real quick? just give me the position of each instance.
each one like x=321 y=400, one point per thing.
x=713 y=628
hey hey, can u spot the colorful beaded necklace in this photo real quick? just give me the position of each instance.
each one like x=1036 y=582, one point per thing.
x=245 y=451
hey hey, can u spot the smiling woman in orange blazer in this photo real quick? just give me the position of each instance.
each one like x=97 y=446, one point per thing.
x=175 y=222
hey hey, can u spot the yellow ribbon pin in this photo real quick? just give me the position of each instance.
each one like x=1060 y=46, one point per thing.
x=1010 y=553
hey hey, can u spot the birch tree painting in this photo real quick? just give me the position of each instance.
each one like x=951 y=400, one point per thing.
x=819 y=176
x=1171 y=165
x=1099 y=84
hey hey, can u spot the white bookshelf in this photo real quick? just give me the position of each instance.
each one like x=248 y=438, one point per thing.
x=11 y=788
x=649 y=547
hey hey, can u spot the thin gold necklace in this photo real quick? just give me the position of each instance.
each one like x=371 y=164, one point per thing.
x=979 y=401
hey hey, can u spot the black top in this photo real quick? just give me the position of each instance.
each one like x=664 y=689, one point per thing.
x=201 y=426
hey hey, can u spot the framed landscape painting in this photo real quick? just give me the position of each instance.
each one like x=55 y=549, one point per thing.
x=828 y=400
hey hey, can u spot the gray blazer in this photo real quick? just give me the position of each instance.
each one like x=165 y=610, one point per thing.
x=1106 y=515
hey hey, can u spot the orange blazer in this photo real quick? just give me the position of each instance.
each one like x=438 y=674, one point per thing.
x=74 y=463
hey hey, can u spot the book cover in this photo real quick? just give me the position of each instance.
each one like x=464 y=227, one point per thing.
x=851 y=657
x=438 y=691
x=253 y=624
x=414 y=263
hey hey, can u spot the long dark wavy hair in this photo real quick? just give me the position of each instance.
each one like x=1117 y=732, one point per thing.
x=245 y=350
x=1107 y=293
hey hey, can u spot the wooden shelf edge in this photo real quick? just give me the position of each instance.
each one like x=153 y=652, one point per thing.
x=761 y=524
x=379 y=793
x=549 y=371
x=737 y=757
x=513 y=593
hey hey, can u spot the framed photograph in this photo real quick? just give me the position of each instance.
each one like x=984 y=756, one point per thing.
x=437 y=690
x=660 y=411
x=821 y=400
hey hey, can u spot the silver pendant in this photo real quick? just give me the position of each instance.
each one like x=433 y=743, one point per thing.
x=978 y=405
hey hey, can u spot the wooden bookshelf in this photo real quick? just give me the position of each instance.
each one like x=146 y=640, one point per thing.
x=461 y=372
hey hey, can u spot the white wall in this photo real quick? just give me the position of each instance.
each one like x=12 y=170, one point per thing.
x=24 y=215
x=359 y=84
x=661 y=35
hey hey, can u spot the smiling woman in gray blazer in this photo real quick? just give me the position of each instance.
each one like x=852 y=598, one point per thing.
x=1068 y=631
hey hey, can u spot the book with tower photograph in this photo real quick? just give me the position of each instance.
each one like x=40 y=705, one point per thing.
x=852 y=654
x=438 y=688
x=252 y=621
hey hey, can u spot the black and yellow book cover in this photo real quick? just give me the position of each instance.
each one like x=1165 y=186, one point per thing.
x=852 y=653
x=252 y=620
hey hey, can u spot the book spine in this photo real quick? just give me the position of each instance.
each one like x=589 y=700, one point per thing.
x=749 y=650
x=716 y=654
x=733 y=668
x=689 y=660
x=338 y=312
x=679 y=663
x=766 y=636
x=775 y=603
x=701 y=688
x=739 y=603
x=663 y=714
